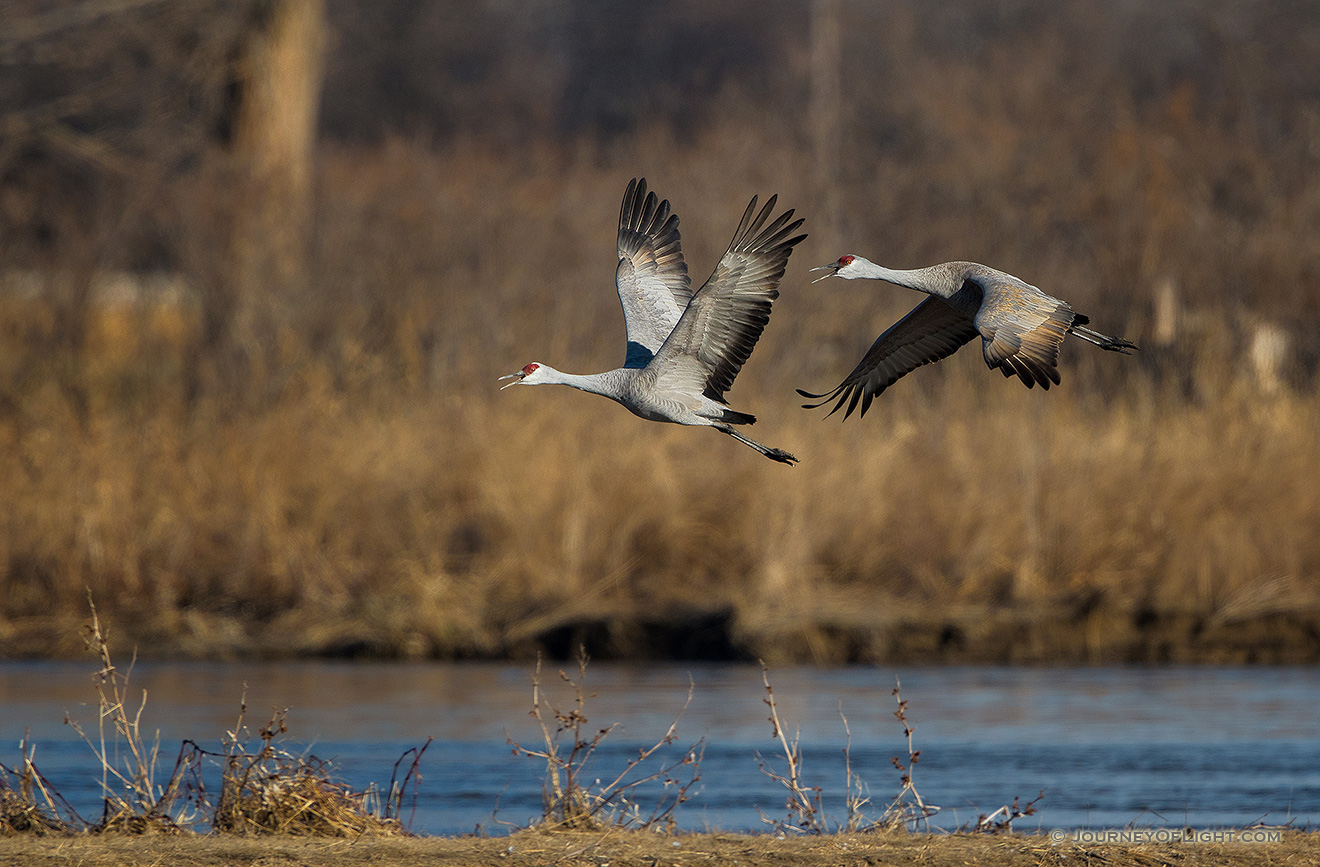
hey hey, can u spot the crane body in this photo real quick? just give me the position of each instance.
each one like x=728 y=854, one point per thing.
x=685 y=348
x=1021 y=328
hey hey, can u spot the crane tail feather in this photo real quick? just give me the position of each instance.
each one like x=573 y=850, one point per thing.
x=733 y=416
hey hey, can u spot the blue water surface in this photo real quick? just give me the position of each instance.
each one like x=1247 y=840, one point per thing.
x=1108 y=747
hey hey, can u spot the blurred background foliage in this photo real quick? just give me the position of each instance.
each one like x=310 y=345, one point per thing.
x=262 y=261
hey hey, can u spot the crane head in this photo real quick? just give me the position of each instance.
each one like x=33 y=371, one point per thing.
x=521 y=377
x=838 y=268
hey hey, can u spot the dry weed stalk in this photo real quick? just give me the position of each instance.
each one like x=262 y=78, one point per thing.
x=855 y=796
x=133 y=801
x=908 y=808
x=805 y=812
x=390 y=805
x=1001 y=820
x=569 y=803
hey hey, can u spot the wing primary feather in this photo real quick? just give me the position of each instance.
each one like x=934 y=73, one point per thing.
x=742 y=224
x=625 y=209
x=930 y=332
x=649 y=207
x=725 y=319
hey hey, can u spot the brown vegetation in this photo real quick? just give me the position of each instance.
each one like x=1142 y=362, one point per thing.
x=639 y=849
x=357 y=485
x=266 y=791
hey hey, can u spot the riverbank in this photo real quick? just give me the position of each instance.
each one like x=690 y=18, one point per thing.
x=872 y=631
x=639 y=849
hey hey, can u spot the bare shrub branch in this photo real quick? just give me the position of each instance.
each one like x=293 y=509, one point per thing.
x=804 y=802
x=568 y=802
x=908 y=808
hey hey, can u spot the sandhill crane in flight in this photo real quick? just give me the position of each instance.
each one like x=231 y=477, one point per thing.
x=685 y=347
x=1020 y=328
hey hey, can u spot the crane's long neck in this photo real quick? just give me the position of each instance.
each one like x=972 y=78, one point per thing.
x=609 y=384
x=933 y=281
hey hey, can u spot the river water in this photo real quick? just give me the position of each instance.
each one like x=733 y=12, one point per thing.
x=1108 y=747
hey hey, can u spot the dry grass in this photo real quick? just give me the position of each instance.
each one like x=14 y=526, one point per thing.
x=27 y=804
x=629 y=849
x=362 y=488
x=447 y=521
x=264 y=791
x=274 y=791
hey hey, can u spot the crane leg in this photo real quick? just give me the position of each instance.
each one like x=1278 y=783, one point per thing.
x=773 y=454
x=1104 y=341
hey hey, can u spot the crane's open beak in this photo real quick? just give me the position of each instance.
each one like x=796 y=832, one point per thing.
x=832 y=268
x=516 y=377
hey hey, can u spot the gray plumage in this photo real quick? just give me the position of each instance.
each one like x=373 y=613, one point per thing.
x=685 y=348
x=652 y=278
x=1020 y=328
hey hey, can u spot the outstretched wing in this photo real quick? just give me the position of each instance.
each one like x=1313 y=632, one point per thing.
x=1022 y=329
x=726 y=316
x=651 y=277
x=933 y=330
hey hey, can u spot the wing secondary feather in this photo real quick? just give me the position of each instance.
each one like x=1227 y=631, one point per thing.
x=1022 y=333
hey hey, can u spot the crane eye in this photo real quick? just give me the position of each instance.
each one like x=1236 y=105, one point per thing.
x=530 y=368
x=844 y=261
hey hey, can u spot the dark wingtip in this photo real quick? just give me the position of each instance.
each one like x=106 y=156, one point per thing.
x=821 y=400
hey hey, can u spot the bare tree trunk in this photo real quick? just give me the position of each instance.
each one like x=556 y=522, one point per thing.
x=824 y=114
x=274 y=148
